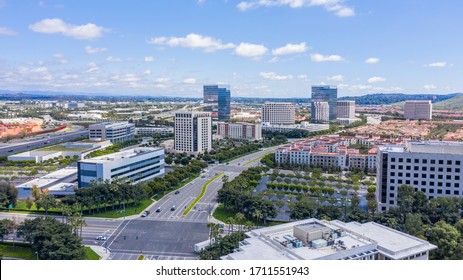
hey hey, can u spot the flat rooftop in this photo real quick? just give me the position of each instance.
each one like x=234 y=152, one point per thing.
x=50 y=178
x=131 y=153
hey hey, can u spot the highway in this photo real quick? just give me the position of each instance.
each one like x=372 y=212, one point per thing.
x=38 y=142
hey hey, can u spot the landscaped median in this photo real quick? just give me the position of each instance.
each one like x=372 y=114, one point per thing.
x=253 y=160
x=203 y=191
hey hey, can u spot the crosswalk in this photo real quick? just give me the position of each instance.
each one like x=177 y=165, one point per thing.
x=148 y=257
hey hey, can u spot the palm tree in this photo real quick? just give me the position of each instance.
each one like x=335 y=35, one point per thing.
x=230 y=221
x=248 y=226
x=214 y=231
x=257 y=214
x=239 y=217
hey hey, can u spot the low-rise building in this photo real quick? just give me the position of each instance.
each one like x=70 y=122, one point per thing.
x=314 y=239
x=113 y=131
x=136 y=165
x=151 y=130
x=248 y=131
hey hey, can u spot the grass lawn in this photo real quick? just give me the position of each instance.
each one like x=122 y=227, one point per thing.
x=222 y=215
x=21 y=251
x=90 y=254
x=118 y=213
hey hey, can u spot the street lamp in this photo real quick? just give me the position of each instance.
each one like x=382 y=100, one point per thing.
x=37 y=254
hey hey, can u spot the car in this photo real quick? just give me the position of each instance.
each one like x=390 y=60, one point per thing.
x=172 y=208
x=158 y=210
x=177 y=192
x=145 y=213
x=203 y=176
x=101 y=237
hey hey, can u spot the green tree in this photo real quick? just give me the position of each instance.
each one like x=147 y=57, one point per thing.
x=6 y=227
x=446 y=238
x=29 y=203
x=8 y=194
x=413 y=224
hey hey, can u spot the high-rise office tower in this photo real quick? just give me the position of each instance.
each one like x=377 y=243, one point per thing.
x=193 y=132
x=418 y=110
x=326 y=94
x=321 y=112
x=346 y=109
x=218 y=99
x=278 y=113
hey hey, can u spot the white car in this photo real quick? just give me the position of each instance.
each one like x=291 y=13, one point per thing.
x=101 y=238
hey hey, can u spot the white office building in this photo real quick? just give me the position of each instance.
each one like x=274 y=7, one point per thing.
x=113 y=131
x=321 y=113
x=433 y=167
x=248 y=131
x=193 y=132
x=150 y=130
x=346 y=109
x=314 y=239
x=278 y=113
x=418 y=110
x=137 y=165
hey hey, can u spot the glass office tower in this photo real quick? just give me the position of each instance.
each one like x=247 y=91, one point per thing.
x=218 y=99
x=326 y=94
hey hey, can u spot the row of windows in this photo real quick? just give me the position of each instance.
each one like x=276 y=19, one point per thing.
x=424 y=176
x=424 y=183
x=425 y=168
x=425 y=161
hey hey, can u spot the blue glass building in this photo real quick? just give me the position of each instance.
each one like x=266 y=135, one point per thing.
x=326 y=94
x=219 y=100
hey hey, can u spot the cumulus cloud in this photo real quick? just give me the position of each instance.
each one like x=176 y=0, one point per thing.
x=316 y=57
x=336 y=78
x=376 y=80
x=372 y=60
x=92 y=50
x=189 y=81
x=7 y=31
x=193 y=41
x=274 y=76
x=56 y=25
x=335 y=6
x=429 y=87
x=114 y=59
x=440 y=64
x=250 y=50
x=149 y=58
x=290 y=49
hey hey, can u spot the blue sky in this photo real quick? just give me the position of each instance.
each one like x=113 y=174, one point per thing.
x=261 y=48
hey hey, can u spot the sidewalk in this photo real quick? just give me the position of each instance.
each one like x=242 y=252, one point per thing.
x=102 y=252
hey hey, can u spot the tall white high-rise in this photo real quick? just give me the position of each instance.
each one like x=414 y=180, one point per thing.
x=346 y=109
x=321 y=112
x=193 y=132
x=418 y=110
x=278 y=113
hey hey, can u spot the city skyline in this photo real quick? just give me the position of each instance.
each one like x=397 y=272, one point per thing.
x=261 y=48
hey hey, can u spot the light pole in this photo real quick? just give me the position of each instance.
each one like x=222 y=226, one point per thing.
x=104 y=244
x=37 y=254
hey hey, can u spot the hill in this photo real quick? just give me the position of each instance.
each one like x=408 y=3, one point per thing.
x=454 y=103
x=390 y=98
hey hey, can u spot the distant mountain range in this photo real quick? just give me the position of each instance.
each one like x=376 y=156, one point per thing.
x=441 y=101
x=390 y=98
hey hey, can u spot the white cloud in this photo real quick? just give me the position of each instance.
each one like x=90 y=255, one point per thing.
x=335 y=6
x=302 y=76
x=429 y=87
x=92 y=68
x=250 y=50
x=114 y=59
x=336 y=78
x=7 y=31
x=376 y=80
x=193 y=41
x=58 y=55
x=440 y=64
x=149 y=58
x=200 y=2
x=290 y=49
x=372 y=60
x=162 y=80
x=56 y=25
x=275 y=77
x=320 y=57
x=92 y=50
x=189 y=81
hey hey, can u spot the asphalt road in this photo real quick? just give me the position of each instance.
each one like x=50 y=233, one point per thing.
x=38 y=142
